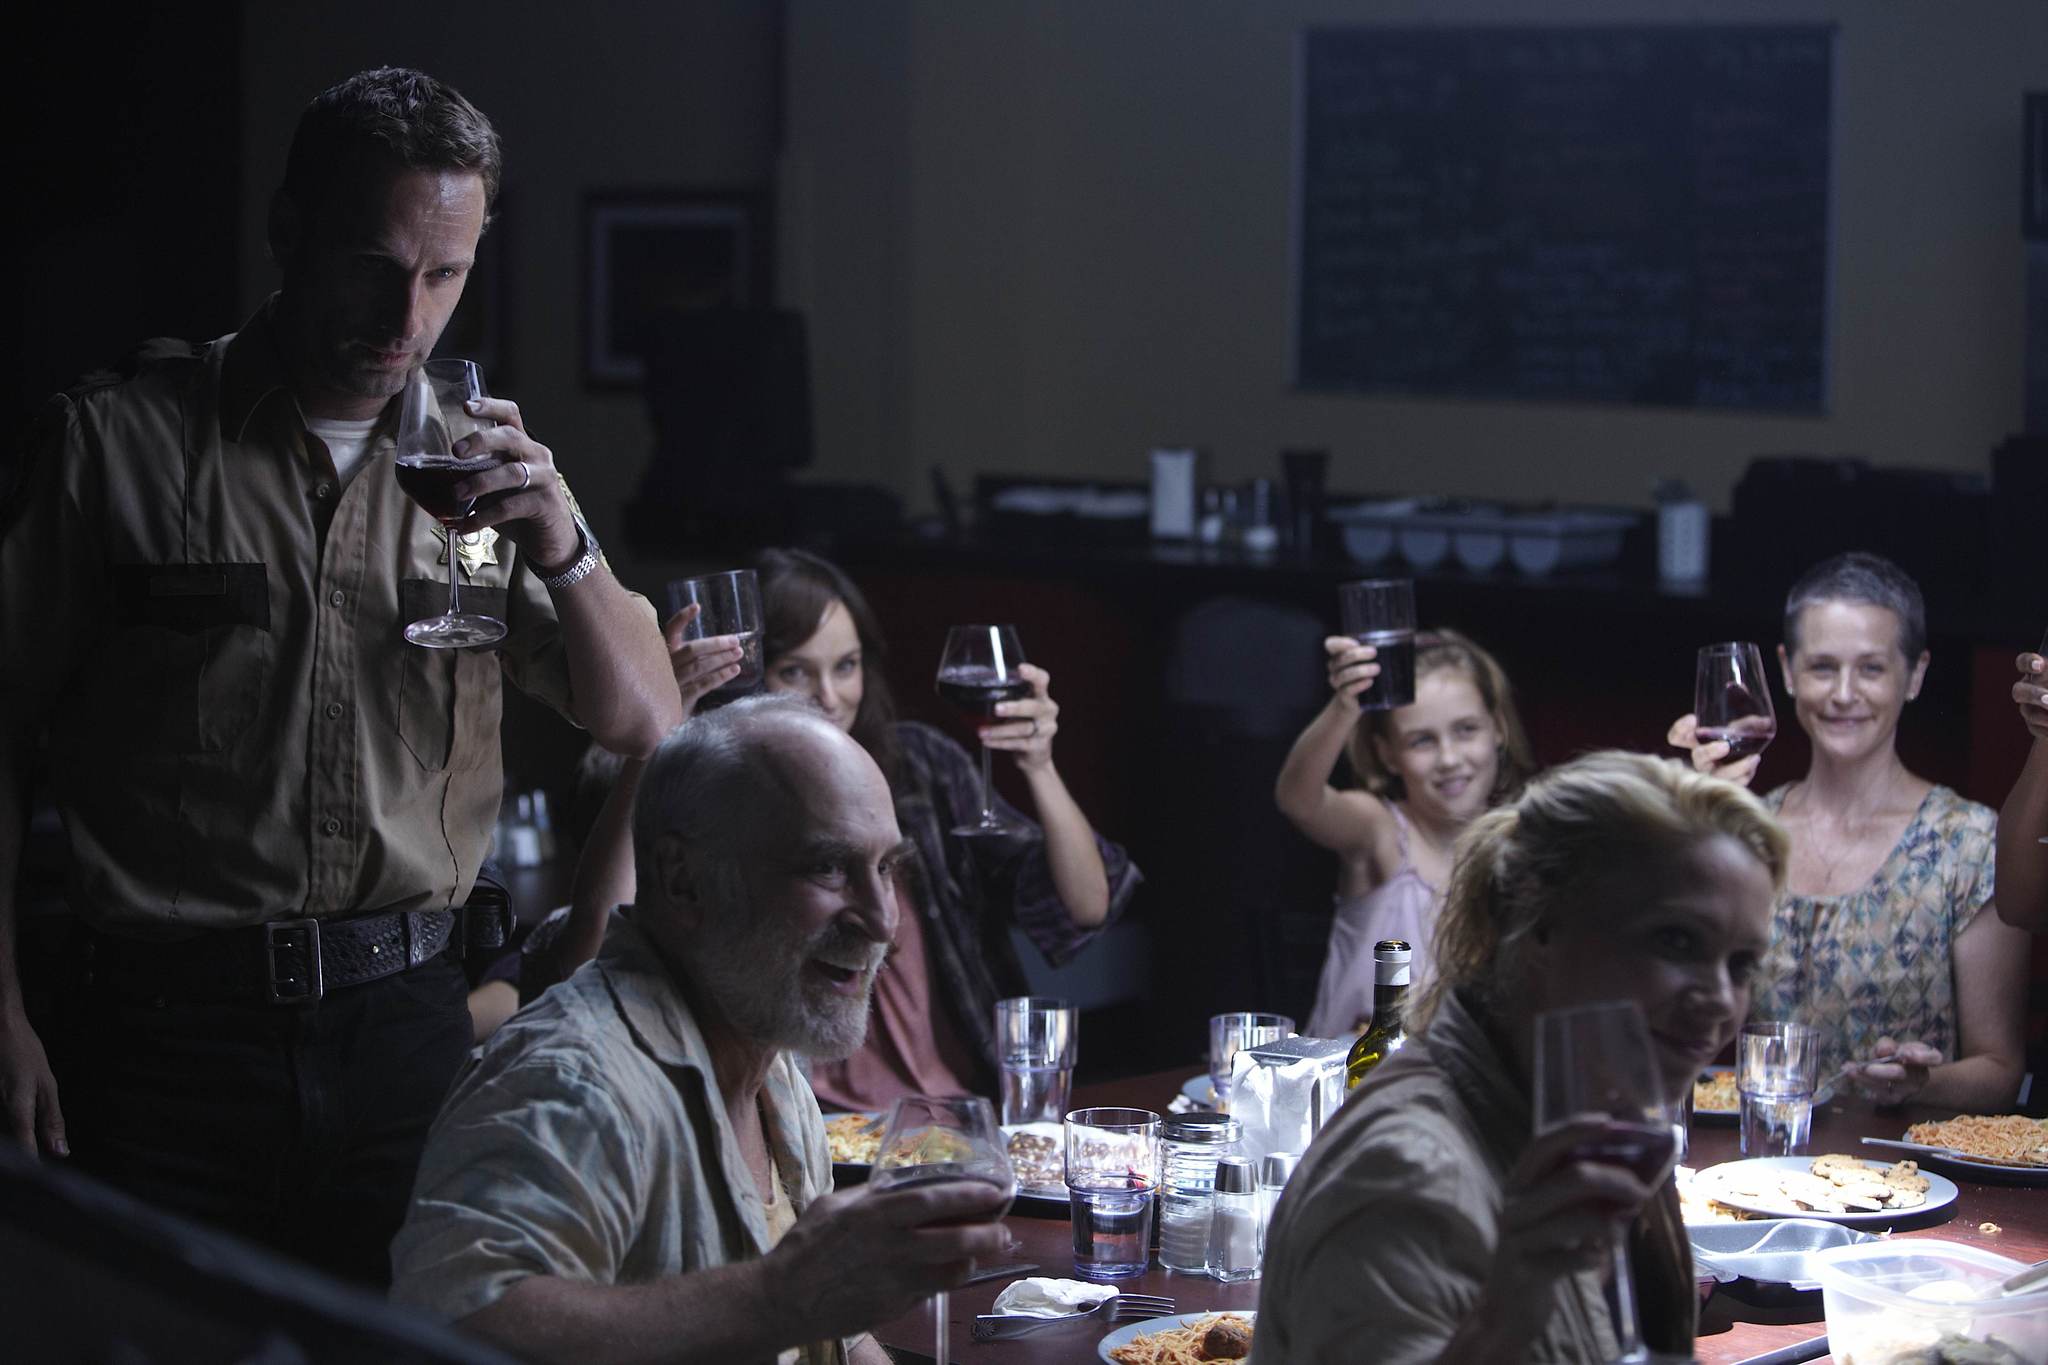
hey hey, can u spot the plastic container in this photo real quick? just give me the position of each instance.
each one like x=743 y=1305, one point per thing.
x=1884 y=1300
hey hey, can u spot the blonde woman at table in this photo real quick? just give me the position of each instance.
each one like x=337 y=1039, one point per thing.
x=1424 y=771
x=1425 y=1223
x=1884 y=937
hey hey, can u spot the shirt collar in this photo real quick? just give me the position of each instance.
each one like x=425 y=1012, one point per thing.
x=252 y=372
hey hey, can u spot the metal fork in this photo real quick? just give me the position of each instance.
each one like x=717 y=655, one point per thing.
x=1115 y=1308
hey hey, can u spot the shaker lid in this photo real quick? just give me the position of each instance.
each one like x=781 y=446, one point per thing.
x=1233 y=1175
x=1276 y=1167
x=1201 y=1125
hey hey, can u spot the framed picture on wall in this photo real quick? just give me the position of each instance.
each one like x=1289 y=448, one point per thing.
x=649 y=252
x=480 y=329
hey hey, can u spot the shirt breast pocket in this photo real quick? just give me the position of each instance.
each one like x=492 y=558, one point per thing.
x=195 y=651
x=447 y=698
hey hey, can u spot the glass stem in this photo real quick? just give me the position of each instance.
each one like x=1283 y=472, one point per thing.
x=454 y=576
x=988 y=800
x=939 y=1316
x=1625 y=1325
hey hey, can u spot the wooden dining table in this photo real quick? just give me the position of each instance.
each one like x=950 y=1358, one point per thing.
x=2006 y=1219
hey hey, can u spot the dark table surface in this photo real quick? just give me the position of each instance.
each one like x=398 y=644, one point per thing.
x=2005 y=1219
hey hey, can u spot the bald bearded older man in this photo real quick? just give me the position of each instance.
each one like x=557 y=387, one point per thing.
x=634 y=1168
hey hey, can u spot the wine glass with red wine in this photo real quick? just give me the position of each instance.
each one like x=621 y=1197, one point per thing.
x=1597 y=1059
x=1731 y=699
x=929 y=1140
x=978 y=670
x=432 y=416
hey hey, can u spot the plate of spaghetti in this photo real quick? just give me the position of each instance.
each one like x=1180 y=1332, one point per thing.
x=2004 y=1149
x=1183 y=1339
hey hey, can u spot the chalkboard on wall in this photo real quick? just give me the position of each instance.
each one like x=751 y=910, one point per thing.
x=1635 y=215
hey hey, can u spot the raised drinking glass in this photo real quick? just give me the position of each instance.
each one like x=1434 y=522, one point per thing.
x=977 y=671
x=1731 y=699
x=433 y=415
x=1597 y=1060
x=1381 y=612
x=727 y=604
x=930 y=1140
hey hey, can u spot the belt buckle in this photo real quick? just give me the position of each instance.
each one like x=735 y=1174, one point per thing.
x=278 y=938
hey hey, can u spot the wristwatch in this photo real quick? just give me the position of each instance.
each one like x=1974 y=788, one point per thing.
x=585 y=563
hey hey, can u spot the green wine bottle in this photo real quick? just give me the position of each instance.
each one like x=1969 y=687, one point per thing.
x=1385 y=1036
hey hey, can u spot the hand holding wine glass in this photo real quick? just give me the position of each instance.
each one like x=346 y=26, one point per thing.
x=982 y=667
x=1597 y=1080
x=1732 y=719
x=929 y=1141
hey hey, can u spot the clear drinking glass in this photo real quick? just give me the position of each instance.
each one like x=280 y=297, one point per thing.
x=978 y=670
x=929 y=1140
x=432 y=417
x=1037 y=1039
x=727 y=604
x=1112 y=1181
x=1777 y=1067
x=1381 y=612
x=1597 y=1059
x=1731 y=699
x=1229 y=1034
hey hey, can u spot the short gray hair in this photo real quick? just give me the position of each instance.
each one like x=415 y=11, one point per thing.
x=1869 y=579
x=704 y=781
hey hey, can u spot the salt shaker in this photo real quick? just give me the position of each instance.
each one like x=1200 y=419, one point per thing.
x=1234 y=1223
x=1275 y=1168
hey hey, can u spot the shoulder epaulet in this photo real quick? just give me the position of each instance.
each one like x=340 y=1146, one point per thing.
x=156 y=353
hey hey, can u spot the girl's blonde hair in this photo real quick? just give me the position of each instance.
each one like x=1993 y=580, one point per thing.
x=1527 y=864
x=1434 y=650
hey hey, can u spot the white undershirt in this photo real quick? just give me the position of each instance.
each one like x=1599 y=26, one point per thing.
x=347 y=442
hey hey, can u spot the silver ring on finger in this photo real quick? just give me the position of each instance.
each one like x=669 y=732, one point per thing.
x=525 y=475
x=1034 y=729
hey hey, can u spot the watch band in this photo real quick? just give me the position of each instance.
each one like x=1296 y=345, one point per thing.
x=584 y=565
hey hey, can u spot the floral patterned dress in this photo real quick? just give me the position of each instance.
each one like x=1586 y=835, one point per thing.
x=1880 y=960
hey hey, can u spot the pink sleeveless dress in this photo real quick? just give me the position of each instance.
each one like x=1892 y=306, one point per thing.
x=1403 y=906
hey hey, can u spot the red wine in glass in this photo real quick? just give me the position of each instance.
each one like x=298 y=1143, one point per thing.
x=430 y=480
x=1732 y=699
x=433 y=414
x=976 y=689
x=1645 y=1150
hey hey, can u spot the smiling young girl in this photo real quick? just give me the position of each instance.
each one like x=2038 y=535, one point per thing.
x=1424 y=771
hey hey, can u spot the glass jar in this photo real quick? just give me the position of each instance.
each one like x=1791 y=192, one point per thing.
x=1190 y=1145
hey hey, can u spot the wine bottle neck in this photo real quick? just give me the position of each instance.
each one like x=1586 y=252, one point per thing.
x=1387 y=1002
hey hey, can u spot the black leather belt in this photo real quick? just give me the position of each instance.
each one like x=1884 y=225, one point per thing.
x=293 y=961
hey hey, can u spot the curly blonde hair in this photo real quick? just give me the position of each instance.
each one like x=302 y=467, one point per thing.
x=1527 y=863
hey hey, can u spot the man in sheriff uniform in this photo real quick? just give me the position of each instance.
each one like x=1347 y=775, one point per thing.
x=276 y=806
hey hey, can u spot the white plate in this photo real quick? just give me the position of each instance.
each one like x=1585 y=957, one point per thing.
x=1989 y=1172
x=1200 y=1090
x=1941 y=1192
x=1131 y=1331
x=1820 y=1096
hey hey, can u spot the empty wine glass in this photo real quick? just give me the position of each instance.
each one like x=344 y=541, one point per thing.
x=978 y=670
x=1597 y=1059
x=432 y=416
x=929 y=1140
x=1731 y=699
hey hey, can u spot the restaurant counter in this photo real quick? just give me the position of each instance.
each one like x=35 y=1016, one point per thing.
x=2008 y=1220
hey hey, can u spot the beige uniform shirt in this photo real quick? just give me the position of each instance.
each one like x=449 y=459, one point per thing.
x=1385 y=1237
x=587 y=1140
x=212 y=628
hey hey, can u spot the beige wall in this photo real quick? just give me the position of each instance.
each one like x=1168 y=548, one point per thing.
x=1092 y=253
x=625 y=94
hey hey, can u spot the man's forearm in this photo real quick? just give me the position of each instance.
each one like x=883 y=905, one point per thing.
x=13 y=836
x=716 y=1315
x=2022 y=857
x=624 y=692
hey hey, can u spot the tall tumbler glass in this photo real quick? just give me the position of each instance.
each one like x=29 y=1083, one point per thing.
x=1037 y=1039
x=1381 y=612
x=1230 y=1034
x=1113 y=1181
x=1777 y=1067
x=727 y=604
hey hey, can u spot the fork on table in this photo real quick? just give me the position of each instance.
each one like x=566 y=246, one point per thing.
x=1115 y=1308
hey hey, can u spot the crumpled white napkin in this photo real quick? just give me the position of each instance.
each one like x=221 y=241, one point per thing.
x=1041 y=1297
